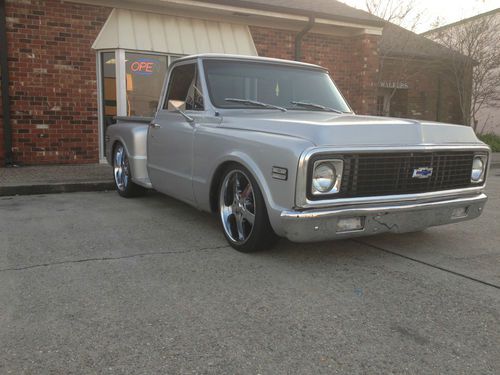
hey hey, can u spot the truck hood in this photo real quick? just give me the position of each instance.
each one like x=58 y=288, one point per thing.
x=329 y=129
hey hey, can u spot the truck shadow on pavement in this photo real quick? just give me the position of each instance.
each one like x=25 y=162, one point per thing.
x=208 y=223
x=455 y=244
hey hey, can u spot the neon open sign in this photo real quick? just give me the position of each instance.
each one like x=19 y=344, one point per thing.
x=143 y=67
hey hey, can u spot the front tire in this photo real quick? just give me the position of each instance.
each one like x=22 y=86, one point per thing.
x=243 y=213
x=122 y=174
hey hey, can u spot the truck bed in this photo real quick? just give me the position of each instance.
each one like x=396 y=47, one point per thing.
x=131 y=132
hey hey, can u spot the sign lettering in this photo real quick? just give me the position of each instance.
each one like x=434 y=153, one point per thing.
x=394 y=84
x=144 y=67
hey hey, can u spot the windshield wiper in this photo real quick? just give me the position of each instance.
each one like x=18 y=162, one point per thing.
x=319 y=106
x=255 y=102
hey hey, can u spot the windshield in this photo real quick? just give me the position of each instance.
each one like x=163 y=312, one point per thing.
x=289 y=87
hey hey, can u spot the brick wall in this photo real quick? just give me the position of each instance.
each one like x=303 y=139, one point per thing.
x=431 y=94
x=53 y=80
x=352 y=61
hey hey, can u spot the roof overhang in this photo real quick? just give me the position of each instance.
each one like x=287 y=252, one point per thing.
x=147 y=31
x=258 y=15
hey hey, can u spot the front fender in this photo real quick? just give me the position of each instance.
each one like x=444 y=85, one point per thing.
x=257 y=172
x=259 y=153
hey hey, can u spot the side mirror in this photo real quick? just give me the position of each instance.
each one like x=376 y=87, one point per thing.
x=179 y=106
x=176 y=105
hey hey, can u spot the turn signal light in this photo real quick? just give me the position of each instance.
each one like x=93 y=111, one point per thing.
x=350 y=224
x=459 y=212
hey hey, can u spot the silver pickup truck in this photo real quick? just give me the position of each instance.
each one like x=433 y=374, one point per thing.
x=273 y=149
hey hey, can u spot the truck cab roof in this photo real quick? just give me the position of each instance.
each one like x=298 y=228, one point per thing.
x=222 y=56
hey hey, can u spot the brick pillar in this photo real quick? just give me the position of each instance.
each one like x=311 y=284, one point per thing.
x=2 y=151
x=364 y=73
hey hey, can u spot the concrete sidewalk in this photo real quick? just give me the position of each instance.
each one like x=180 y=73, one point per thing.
x=55 y=179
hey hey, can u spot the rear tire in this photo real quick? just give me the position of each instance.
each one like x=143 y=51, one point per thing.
x=242 y=211
x=123 y=175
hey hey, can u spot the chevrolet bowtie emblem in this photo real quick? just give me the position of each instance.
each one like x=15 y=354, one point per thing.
x=422 y=172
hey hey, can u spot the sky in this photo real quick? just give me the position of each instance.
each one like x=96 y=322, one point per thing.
x=448 y=11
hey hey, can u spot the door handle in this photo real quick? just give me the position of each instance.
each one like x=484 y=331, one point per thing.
x=154 y=125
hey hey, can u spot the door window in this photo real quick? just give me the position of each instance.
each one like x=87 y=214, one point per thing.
x=184 y=87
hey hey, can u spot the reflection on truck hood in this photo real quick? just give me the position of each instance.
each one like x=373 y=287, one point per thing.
x=326 y=128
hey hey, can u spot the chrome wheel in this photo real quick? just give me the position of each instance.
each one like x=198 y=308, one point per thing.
x=237 y=206
x=121 y=168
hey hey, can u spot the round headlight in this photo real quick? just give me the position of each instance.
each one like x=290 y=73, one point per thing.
x=324 y=177
x=477 y=169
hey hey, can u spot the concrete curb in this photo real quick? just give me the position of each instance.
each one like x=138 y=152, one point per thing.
x=56 y=188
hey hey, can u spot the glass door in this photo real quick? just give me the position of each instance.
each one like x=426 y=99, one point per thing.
x=108 y=110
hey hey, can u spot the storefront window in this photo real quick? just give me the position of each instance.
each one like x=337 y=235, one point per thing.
x=144 y=80
x=131 y=85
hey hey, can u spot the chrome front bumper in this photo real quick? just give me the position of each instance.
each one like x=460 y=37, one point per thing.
x=321 y=225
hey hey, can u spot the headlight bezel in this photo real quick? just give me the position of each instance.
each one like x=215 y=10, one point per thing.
x=338 y=169
x=482 y=176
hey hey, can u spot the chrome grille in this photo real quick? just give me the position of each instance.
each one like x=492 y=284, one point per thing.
x=378 y=174
x=391 y=173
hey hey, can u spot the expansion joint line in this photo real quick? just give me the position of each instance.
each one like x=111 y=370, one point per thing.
x=137 y=255
x=426 y=263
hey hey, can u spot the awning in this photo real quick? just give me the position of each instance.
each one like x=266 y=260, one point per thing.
x=144 y=31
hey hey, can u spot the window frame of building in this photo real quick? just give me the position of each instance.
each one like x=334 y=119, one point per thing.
x=121 y=86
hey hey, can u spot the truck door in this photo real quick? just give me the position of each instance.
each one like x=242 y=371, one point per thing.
x=171 y=134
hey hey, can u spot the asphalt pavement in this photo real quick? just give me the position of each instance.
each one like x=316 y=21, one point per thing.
x=91 y=283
